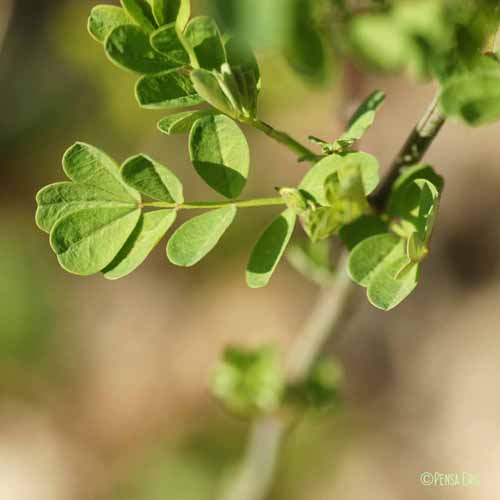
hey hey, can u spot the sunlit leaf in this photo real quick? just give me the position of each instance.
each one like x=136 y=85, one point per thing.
x=104 y=19
x=86 y=241
x=219 y=152
x=198 y=236
x=150 y=229
x=269 y=250
x=152 y=179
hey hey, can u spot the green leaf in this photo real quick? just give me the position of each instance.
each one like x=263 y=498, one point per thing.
x=166 y=40
x=204 y=43
x=104 y=19
x=249 y=382
x=320 y=223
x=269 y=250
x=312 y=260
x=85 y=242
x=417 y=204
x=246 y=71
x=362 y=228
x=314 y=181
x=166 y=90
x=180 y=123
x=397 y=201
x=474 y=95
x=219 y=152
x=152 y=179
x=361 y=121
x=208 y=86
x=169 y=11
x=129 y=48
x=390 y=286
x=58 y=200
x=369 y=255
x=88 y=165
x=140 y=11
x=197 y=237
x=150 y=229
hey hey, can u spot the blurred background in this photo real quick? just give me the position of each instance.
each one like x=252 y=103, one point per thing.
x=104 y=385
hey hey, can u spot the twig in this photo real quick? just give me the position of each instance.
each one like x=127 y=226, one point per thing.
x=254 y=477
x=412 y=152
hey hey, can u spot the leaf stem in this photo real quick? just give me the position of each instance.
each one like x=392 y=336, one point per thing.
x=199 y=205
x=302 y=151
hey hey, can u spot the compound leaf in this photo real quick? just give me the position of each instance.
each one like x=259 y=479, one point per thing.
x=170 y=11
x=204 y=42
x=269 y=250
x=140 y=11
x=181 y=122
x=128 y=47
x=198 y=236
x=166 y=41
x=104 y=19
x=150 y=229
x=166 y=90
x=88 y=165
x=219 y=152
x=152 y=179
x=86 y=241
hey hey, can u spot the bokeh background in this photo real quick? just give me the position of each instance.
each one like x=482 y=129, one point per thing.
x=104 y=386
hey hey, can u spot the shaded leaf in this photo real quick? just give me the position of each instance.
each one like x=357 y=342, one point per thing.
x=166 y=41
x=170 y=11
x=181 y=122
x=198 y=236
x=204 y=43
x=312 y=260
x=88 y=165
x=140 y=11
x=104 y=19
x=361 y=229
x=166 y=90
x=129 y=47
x=269 y=250
x=150 y=229
x=152 y=179
x=219 y=152
x=85 y=242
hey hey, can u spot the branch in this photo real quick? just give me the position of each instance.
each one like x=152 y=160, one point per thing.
x=412 y=152
x=254 y=477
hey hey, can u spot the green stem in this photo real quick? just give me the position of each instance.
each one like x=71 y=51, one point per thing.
x=303 y=152
x=199 y=205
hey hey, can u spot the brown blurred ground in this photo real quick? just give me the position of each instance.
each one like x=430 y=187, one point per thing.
x=104 y=385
